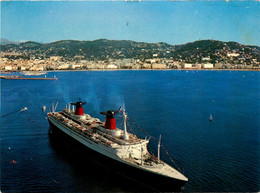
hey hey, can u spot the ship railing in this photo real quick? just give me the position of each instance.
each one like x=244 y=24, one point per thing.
x=147 y=161
x=157 y=140
x=84 y=133
x=115 y=140
x=75 y=127
x=82 y=130
x=73 y=123
x=81 y=123
x=103 y=140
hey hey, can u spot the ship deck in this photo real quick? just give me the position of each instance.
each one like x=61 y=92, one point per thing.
x=94 y=128
x=155 y=166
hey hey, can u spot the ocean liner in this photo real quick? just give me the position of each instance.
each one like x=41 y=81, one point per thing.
x=118 y=148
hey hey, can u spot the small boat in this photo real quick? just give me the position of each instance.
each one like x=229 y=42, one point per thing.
x=43 y=108
x=24 y=109
x=210 y=117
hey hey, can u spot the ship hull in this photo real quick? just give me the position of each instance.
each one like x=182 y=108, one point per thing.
x=142 y=180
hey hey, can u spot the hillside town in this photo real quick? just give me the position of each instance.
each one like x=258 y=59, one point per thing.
x=32 y=56
x=58 y=63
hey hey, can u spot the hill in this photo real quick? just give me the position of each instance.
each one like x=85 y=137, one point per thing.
x=5 y=41
x=194 y=52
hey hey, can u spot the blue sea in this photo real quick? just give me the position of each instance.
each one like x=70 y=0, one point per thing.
x=219 y=155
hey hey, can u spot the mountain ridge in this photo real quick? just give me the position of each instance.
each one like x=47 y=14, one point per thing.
x=4 y=41
x=103 y=49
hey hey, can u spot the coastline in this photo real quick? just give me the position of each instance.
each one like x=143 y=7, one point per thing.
x=98 y=70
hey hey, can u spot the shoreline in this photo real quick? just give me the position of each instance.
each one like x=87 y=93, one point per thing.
x=253 y=70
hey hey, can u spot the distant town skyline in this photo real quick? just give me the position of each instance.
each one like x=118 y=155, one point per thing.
x=145 y=21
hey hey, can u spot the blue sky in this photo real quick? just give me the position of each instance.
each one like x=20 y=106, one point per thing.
x=149 y=21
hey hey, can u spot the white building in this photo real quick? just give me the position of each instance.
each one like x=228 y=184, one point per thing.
x=75 y=66
x=208 y=66
x=8 y=67
x=229 y=54
x=159 y=66
x=187 y=65
x=111 y=66
x=23 y=68
x=151 y=61
x=55 y=58
x=206 y=58
x=63 y=66
x=146 y=65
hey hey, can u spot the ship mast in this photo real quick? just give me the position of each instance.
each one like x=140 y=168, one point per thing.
x=142 y=162
x=69 y=108
x=126 y=137
x=159 y=146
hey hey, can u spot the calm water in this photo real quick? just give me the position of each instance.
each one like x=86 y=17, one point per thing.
x=222 y=155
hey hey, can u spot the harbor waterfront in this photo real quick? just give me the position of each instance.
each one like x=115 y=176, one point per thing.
x=218 y=155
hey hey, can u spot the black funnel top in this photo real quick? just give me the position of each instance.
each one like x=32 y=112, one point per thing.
x=110 y=114
x=79 y=104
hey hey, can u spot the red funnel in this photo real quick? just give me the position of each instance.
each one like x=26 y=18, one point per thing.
x=79 y=108
x=110 y=122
